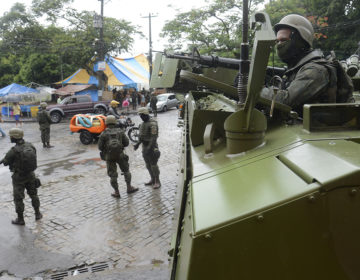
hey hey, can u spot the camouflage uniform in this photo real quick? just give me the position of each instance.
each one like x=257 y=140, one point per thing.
x=22 y=181
x=148 y=135
x=153 y=101
x=44 y=120
x=310 y=78
x=123 y=160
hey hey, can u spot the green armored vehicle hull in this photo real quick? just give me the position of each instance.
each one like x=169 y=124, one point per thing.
x=263 y=197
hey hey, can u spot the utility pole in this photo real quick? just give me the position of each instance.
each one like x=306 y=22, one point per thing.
x=99 y=23
x=101 y=54
x=150 y=41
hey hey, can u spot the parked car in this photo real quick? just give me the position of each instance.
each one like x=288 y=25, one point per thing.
x=76 y=104
x=165 y=102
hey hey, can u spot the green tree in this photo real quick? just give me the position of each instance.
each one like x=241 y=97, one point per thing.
x=46 y=53
x=215 y=28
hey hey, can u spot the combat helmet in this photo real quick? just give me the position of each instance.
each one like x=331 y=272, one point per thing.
x=299 y=23
x=43 y=105
x=143 y=110
x=110 y=120
x=16 y=133
x=114 y=103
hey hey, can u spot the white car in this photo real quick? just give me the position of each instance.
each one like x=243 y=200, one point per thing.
x=165 y=102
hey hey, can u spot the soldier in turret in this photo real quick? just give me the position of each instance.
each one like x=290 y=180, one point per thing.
x=44 y=120
x=310 y=78
x=112 y=143
x=22 y=161
x=148 y=135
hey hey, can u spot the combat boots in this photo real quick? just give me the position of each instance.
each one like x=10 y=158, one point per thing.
x=44 y=145
x=150 y=183
x=130 y=188
x=157 y=184
x=48 y=145
x=38 y=215
x=19 y=220
x=116 y=193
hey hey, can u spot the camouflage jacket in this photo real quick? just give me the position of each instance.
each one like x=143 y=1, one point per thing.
x=12 y=159
x=148 y=134
x=307 y=82
x=43 y=118
x=153 y=100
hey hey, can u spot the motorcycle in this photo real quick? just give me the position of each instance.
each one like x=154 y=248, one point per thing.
x=128 y=125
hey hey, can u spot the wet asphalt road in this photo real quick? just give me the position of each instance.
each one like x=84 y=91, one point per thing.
x=83 y=225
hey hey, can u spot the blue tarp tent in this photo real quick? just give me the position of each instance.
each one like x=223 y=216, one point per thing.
x=15 y=93
x=16 y=89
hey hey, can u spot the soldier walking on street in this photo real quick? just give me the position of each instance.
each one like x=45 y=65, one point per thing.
x=112 y=142
x=44 y=119
x=153 y=101
x=22 y=161
x=148 y=138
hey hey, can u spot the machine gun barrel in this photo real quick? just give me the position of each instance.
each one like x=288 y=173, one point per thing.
x=229 y=63
x=209 y=60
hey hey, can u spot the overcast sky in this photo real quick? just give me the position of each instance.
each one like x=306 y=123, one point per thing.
x=133 y=11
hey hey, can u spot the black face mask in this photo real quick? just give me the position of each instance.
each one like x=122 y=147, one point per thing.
x=13 y=140
x=293 y=50
x=144 y=117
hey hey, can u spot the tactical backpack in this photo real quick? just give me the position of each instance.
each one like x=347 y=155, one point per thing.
x=114 y=145
x=27 y=161
x=343 y=88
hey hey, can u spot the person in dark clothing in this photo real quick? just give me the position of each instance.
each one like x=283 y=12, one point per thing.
x=134 y=98
x=44 y=120
x=153 y=101
x=148 y=135
x=112 y=142
x=21 y=160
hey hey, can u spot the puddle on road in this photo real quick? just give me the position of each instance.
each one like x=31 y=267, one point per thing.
x=68 y=164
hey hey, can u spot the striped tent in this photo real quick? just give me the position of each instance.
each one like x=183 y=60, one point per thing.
x=126 y=72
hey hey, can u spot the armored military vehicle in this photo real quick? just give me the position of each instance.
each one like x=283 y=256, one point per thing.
x=262 y=193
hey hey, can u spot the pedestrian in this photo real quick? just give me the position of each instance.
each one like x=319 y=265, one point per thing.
x=3 y=134
x=134 y=99
x=112 y=142
x=17 y=114
x=148 y=134
x=310 y=78
x=138 y=98
x=142 y=100
x=113 y=109
x=22 y=162
x=126 y=104
x=58 y=101
x=44 y=120
x=119 y=97
x=153 y=101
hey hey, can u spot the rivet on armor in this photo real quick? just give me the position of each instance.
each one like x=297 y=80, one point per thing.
x=260 y=218
x=353 y=192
